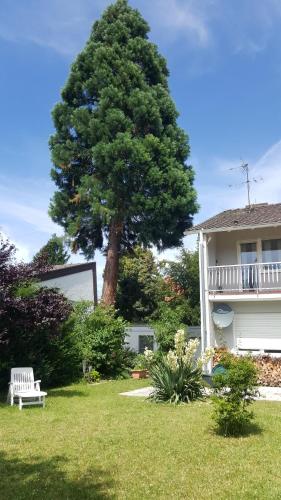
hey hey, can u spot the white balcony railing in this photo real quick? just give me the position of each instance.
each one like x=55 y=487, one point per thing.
x=261 y=276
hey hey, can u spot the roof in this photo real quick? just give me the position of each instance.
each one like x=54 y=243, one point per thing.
x=258 y=215
x=59 y=271
x=66 y=269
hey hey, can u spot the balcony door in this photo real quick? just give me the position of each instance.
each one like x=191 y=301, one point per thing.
x=249 y=273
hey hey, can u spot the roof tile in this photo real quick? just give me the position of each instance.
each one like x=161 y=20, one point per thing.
x=254 y=215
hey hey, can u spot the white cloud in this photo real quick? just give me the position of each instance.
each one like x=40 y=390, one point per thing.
x=64 y=25
x=216 y=195
x=176 y=19
x=24 y=202
x=23 y=251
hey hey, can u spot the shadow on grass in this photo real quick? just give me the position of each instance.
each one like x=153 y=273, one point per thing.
x=248 y=430
x=46 y=479
x=66 y=393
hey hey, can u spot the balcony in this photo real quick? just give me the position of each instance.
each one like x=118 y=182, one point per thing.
x=241 y=279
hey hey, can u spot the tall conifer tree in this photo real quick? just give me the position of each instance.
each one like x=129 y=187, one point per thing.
x=119 y=156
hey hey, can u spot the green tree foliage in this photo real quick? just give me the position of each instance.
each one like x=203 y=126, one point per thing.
x=119 y=156
x=169 y=319
x=99 y=337
x=140 y=285
x=54 y=252
x=184 y=273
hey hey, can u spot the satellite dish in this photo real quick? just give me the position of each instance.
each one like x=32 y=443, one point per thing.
x=222 y=315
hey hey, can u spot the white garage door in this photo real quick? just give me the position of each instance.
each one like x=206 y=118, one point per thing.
x=258 y=331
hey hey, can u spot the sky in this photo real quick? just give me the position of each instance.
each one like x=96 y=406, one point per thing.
x=225 y=77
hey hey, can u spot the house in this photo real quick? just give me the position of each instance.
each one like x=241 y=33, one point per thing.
x=75 y=281
x=240 y=279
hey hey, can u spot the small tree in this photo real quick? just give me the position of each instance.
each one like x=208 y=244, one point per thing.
x=119 y=155
x=99 y=337
x=183 y=276
x=235 y=390
x=54 y=252
x=140 y=285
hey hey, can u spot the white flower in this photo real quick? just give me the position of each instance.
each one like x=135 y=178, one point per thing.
x=206 y=357
x=190 y=350
x=148 y=353
x=180 y=342
x=172 y=360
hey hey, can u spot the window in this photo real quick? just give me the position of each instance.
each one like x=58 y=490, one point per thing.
x=271 y=250
x=248 y=252
x=146 y=341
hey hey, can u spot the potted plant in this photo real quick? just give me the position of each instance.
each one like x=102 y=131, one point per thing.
x=140 y=367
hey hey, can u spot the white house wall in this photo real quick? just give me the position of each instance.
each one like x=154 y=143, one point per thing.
x=212 y=249
x=252 y=310
x=226 y=243
x=77 y=286
x=133 y=333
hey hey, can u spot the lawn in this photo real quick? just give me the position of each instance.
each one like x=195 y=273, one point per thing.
x=92 y=443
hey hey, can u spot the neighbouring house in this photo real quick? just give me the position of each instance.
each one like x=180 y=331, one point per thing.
x=240 y=279
x=75 y=281
x=140 y=336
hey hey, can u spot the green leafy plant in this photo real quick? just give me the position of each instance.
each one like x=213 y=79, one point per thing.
x=140 y=362
x=177 y=376
x=234 y=392
x=99 y=335
x=169 y=320
x=93 y=376
x=32 y=323
x=180 y=385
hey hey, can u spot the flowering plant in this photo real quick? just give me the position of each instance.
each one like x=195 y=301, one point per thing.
x=177 y=377
x=185 y=352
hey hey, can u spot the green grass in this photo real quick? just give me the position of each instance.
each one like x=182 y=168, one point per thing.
x=91 y=443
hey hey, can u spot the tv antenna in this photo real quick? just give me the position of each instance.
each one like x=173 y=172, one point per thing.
x=244 y=168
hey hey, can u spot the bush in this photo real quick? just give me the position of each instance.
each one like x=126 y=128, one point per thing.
x=93 y=376
x=168 y=322
x=32 y=318
x=99 y=337
x=175 y=385
x=234 y=392
x=177 y=377
x=145 y=361
x=140 y=362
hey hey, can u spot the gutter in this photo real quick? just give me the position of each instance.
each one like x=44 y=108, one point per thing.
x=228 y=228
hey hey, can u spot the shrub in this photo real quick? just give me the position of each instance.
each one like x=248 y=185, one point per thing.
x=99 y=337
x=32 y=320
x=93 y=376
x=168 y=322
x=234 y=392
x=177 y=377
x=140 y=362
x=144 y=361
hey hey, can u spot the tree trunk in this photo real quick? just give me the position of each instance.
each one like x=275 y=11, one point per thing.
x=112 y=264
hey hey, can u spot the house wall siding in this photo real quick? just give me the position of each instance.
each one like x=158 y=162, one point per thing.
x=262 y=314
x=75 y=287
x=226 y=243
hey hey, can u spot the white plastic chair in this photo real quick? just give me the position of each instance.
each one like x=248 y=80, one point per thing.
x=25 y=389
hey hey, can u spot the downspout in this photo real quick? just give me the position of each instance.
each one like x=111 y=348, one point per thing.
x=206 y=298
x=202 y=291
